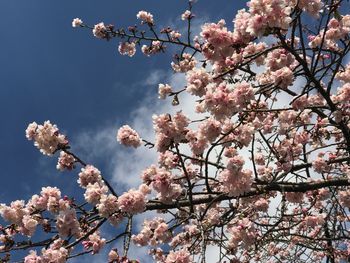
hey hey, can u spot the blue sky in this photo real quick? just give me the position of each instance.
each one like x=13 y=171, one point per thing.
x=50 y=71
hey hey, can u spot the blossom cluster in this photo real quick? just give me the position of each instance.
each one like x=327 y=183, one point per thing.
x=46 y=137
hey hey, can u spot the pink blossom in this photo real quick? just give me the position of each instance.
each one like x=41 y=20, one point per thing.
x=235 y=164
x=313 y=7
x=46 y=137
x=186 y=15
x=154 y=232
x=175 y=35
x=313 y=221
x=210 y=129
x=242 y=231
x=77 y=22
x=89 y=175
x=235 y=183
x=29 y=225
x=32 y=258
x=113 y=255
x=294 y=197
x=154 y=48
x=259 y=159
x=126 y=48
x=197 y=142
x=282 y=77
x=279 y=58
x=162 y=180
x=67 y=223
x=107 y=205
x=345 y=198
x=129 y=137
x=197 y=80
x=252 y=49
x=300 y=102
x=186 y=63
x=169 y=129
x=262 y=204
x=217 y=34
x=94 y=192
x=344 y=75
x=343 y=94
x=164 y=90
x=56 y=253
x=132 y=202
x=145 y=17
x=145 y=189
x=13 y=213
x=100 y=30
x=168 y=159
x=95 y=242
x=179 y=256
x=320 y=165
x=65 y=161
x=275 y=12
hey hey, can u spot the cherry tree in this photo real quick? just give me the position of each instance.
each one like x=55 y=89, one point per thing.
x=260 y=174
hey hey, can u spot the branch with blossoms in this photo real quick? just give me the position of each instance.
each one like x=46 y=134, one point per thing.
x=262 y=174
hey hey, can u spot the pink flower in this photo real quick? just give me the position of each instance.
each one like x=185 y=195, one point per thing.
x=29 y=225
x=13 y=213
x=145 y=17
x=180 y=256
x=262 y=204
x=56 y=253
x=132 y=202
x=126 y=48
x=164 y=90
x=94 y=192
x=95 y=242
x=129 y=137
x=184 y=64
x=345 y=198
x=46 y=137
x=320 y=165
x=174 y=35
x=242 y=231
x=168 y=159
x=32 y=258
x=65 y=161
x=300 y=102
x=197 y=80
x=89 y=175
x=294 y=197
x=154 y=232
x=236 y=183
x=344 y=75
x=100 y=30
x=107 y=205
x=186 y=15
x=77 y=22
x=313 y=221
x=313 y=7
x=67 y=223
x=169 y=129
